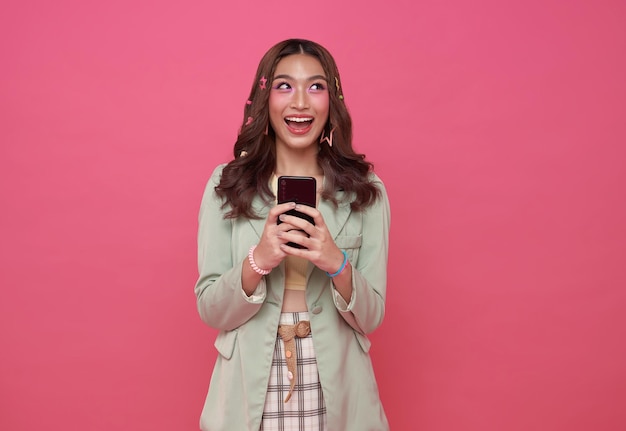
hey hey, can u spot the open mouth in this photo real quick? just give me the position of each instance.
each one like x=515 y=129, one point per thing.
x=299 y=125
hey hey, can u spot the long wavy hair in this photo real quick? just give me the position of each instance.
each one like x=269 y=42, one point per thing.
x=248 y=175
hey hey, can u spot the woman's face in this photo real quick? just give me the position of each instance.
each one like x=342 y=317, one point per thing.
x=299 y=101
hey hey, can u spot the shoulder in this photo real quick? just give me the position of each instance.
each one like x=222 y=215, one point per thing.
x=217 y=174
x=375 y=179
x=377 y=182
x=209 y=195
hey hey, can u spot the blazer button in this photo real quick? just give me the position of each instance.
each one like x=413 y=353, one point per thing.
x=317 y=309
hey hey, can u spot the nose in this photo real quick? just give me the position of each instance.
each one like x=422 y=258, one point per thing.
x=300 y=99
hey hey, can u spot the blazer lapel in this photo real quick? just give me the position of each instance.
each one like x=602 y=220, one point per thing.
x=335 y=218
x=261 y=208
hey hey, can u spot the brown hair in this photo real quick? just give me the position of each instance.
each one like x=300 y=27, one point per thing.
x=249 y=173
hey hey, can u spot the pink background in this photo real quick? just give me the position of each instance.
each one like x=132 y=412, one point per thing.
x=498 y=126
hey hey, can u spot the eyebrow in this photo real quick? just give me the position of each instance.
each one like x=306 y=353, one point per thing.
x=311 y=78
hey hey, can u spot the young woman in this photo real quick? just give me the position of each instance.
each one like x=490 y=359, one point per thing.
x=293 y=350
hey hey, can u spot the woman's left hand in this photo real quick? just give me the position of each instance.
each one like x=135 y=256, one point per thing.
x=320 y=249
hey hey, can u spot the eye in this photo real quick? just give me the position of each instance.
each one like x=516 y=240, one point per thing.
x=318 y=86
x=283 y=86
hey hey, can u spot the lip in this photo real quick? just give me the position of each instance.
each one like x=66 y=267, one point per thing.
x=303 y=131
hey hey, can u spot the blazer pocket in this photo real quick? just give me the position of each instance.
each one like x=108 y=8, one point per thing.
x=351 y=244
x=225 y=343
x=364 y=342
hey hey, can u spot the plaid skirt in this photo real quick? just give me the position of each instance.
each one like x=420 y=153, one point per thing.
x=305 y=411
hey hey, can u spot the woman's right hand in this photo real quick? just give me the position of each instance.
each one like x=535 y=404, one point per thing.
x=268 y=253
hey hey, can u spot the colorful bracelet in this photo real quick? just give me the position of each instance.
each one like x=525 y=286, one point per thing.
x=253 y=264
x=342 y=267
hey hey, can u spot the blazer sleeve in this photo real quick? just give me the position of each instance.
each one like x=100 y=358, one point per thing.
x=221 y=301
x=366 y=309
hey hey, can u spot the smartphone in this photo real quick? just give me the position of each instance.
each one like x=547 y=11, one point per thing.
x=301 y=190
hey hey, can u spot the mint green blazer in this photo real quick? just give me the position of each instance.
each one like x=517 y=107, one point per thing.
x=247 y=328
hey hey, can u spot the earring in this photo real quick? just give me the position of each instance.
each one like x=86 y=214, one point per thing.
x=328 y=139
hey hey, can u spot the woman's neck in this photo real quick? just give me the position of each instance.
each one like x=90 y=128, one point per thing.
x=297 y=164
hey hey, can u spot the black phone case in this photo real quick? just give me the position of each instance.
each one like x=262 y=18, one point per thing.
x=301 y=190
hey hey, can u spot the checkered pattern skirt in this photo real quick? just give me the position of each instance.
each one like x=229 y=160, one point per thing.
x=305 y=411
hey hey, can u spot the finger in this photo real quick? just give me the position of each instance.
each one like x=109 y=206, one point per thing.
x=297 y=222
x=294 y=237
x=286 y=227
x=298 y=234
x=312 y=212
x=279 y=209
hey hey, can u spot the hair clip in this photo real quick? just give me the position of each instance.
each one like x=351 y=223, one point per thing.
x=249 y=121
x=263 y=80
x=338 y=88
x=248 y=102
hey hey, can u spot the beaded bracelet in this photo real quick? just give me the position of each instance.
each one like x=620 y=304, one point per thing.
x=342 y=267
x=253 y=264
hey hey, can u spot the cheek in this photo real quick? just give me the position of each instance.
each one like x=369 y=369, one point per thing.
x=272 y=102
x=321 y=103
x=275 y=107
x=324 y=110
x=278 y=101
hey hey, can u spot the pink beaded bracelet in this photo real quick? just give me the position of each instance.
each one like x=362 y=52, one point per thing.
x=253 y=264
